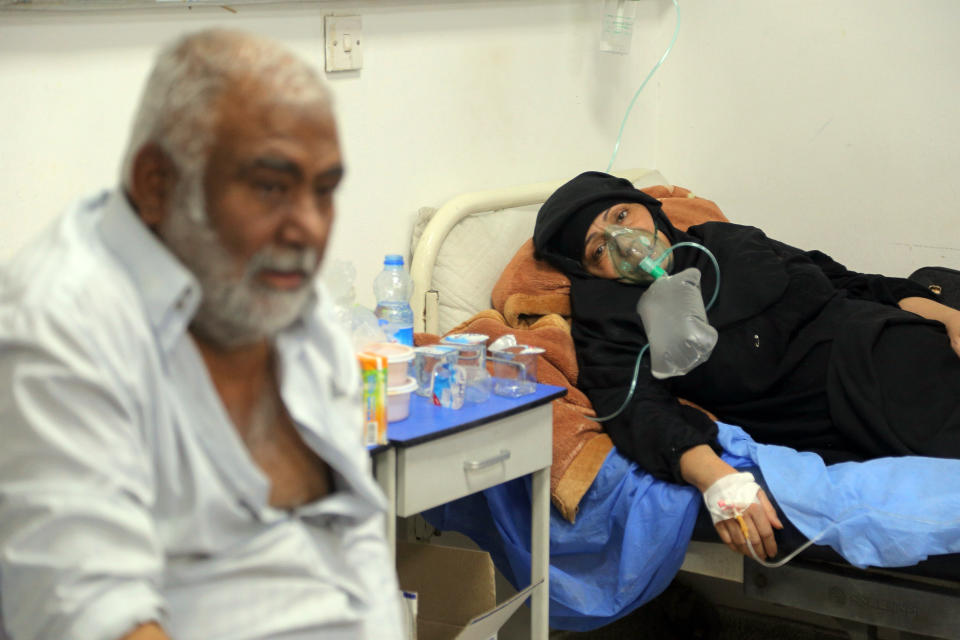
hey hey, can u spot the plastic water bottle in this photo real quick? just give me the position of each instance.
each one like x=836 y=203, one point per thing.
x=393 y=288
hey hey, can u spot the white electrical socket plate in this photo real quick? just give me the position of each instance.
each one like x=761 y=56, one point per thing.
x=343 y=38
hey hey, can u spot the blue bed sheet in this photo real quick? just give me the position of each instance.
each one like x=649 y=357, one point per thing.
x=632 y=530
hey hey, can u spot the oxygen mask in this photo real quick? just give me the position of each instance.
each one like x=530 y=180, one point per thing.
x=636 y=254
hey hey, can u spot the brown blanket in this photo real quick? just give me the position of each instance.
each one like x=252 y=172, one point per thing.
x=531 y=301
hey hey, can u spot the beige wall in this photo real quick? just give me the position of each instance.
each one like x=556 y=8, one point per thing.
x=830 y=124
x=453 y=96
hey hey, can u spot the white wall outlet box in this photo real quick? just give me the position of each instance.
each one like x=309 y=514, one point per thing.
x=344 y=42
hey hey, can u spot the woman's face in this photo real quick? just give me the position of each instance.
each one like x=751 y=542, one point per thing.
x=629 y=214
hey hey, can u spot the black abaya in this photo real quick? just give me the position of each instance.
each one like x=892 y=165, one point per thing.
x=810 y=354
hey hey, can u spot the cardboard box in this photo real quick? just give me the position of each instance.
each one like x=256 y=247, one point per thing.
x=456 y=592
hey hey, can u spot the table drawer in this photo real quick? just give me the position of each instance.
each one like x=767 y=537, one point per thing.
x=435 y=472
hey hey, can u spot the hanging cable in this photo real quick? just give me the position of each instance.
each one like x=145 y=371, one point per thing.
x=616 y=145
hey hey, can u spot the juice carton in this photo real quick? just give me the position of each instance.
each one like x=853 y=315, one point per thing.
x=373 y=372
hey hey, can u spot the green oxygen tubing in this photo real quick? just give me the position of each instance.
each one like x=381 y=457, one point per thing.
x=659 y=271
x=616 y=149
x=623 y=123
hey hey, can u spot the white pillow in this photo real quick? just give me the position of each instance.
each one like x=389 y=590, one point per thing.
x=472 y=258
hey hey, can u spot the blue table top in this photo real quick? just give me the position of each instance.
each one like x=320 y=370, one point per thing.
x=428 y=421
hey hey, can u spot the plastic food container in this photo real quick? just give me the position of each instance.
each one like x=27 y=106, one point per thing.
x=398 y=400
x=398 y=359
x=472 y=347
x=515 y=370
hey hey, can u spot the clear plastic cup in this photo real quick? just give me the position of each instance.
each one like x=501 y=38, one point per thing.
x=515 y=370
x=449 y=385
x=472 y=347
x=426 y=359
x=479 y=384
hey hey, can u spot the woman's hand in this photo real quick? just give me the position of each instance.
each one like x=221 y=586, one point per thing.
x=761 y=519
x=702 y=467
x=933 y=310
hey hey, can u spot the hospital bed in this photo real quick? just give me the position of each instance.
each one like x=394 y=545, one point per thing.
x=458 y=253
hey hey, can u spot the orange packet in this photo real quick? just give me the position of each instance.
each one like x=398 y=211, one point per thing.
x=373 y=374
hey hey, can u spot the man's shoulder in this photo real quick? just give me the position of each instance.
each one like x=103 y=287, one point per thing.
x=65 y=275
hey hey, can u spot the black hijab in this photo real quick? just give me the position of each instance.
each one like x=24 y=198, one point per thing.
x=565 y=217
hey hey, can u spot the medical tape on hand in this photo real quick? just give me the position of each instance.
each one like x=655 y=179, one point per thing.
x=731 y=496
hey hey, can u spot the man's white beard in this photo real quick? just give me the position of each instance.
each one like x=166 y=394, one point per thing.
x=235 y=309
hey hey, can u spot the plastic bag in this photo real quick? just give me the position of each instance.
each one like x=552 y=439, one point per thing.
x=339 y=277
x=364 y=327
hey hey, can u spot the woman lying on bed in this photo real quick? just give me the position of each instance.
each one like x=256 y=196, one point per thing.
x=810 y=355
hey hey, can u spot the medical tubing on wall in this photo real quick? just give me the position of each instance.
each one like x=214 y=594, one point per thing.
x=616 y=145
x=636 y=366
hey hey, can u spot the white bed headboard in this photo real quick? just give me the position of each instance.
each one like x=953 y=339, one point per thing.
x=465 y=244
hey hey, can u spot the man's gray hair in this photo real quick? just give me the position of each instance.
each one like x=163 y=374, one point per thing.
x=178 y=109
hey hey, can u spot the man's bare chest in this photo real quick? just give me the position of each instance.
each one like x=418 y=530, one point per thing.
x=297 y=475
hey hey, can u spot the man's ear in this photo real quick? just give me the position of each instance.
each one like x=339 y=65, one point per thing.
x=153 y=180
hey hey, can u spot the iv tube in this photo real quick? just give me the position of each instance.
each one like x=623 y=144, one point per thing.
x=636 y=367
x=616 y=145
x=846 y=516
x=791 y=555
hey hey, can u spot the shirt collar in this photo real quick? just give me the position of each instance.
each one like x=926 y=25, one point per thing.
x=318 y=327
x=169 y=292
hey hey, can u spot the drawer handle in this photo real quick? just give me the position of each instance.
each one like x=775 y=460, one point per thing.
x=474 y=465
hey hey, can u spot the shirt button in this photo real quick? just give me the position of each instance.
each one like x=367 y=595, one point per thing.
x=756 y=341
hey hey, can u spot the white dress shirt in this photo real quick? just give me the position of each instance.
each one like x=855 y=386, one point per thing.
x=126 y=495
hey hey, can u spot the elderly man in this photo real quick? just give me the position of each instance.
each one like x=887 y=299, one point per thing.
x=179 y=415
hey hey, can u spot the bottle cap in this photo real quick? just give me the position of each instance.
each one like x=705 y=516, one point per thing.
x=393 y=259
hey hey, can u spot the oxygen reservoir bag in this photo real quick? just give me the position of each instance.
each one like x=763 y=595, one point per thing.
x=674 y=319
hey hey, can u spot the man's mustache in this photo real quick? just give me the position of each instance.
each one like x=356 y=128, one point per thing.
x=283 y=259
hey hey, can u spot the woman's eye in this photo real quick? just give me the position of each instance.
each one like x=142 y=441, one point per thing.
x=598 y=252
x=621 y=215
